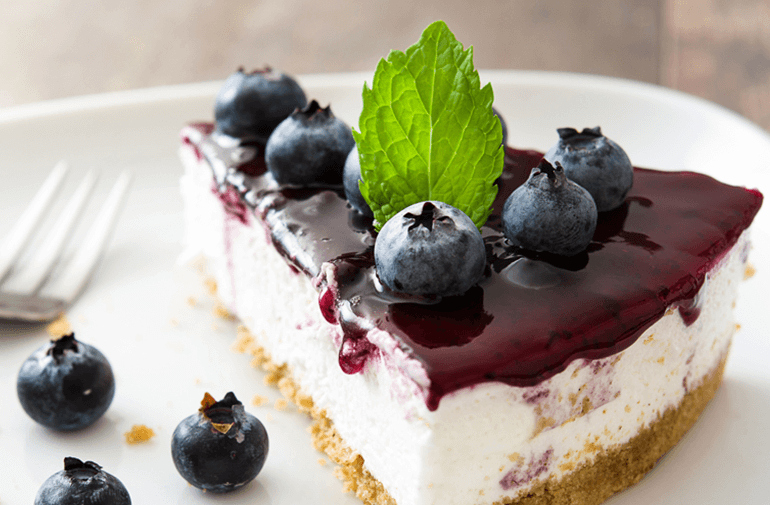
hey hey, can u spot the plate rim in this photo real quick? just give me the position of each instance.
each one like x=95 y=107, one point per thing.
x=184 y=91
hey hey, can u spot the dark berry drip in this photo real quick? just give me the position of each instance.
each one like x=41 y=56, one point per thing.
x=355 y=349
x=533 y=313
x=233 y=204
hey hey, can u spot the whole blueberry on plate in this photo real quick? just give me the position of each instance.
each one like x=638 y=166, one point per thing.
x=66 y=384
x=82 y=483
x=549 y=213
x=430 y=249
x=350 y=178
x=309 y=148
x=252 y=104
x=596 y=163
x=221 y=447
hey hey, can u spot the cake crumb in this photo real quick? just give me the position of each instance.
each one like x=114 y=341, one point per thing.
x=211 y=286
x=322 y=461
x=587 y=405
x=243 y=342
x=138 y=434
x=749 y=272
x=192 y=301
x=661 y=360
x=628 y=409
x=259 y=400
x=221 y=312
x=649 y=339
x=543 y=423
x=281 y=404
x=59 y=326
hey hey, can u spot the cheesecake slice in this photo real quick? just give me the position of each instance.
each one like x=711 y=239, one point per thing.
x=551 y=381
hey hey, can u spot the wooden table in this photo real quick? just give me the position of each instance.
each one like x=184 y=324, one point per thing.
x=716 y=49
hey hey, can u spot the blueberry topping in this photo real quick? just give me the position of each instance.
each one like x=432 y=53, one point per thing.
x=220 y=448
x=430 y=249
x=350 y=177
x=596 y=163
x=309 y=148
x=550 y=213
x=66 y=384
x=502 y=123
x=82 y=483
x=252 y=104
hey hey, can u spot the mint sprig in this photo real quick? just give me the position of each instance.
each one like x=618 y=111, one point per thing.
x=427 y=131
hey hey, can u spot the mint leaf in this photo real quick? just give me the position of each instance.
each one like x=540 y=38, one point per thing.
x=427 y=131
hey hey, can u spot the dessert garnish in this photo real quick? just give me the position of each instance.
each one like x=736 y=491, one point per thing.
x=596 y=163
x=309 y=147
x=82 y=483
x=251 y=104
x=430 y=249
x=221 y=447
x=550 y=213
x=66 y=384
x=427 y=131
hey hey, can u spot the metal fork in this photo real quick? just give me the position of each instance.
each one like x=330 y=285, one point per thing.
x=30 y=292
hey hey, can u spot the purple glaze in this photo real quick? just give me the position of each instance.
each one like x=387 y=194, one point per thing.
x=532 y=314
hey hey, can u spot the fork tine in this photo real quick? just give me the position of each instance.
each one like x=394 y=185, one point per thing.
x=19 y=236
x=72 y=280
x=44 y=258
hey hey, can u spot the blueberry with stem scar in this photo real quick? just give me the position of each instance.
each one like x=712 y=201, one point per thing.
x=66 y=384
x=596 y=163
x=252 y=104
x=550 y=213
x=82 y=483
x=430 y=249
x=309 y=148
x=221 y=447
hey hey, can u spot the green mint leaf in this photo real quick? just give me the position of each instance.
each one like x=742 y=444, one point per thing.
x=427 y=131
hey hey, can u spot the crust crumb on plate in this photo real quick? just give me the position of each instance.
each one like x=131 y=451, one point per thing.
x=139 y=433
x=59 y=326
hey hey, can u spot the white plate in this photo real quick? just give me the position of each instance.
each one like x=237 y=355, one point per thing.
x=166 y=352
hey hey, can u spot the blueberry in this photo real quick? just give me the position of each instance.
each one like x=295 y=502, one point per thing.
x=596 y=163
x=309 y=148
x=430 y=248
x=252 y=104
x=66 y=384
x=350 y=177
x=502 y=123
x=82 y=484
x=220 y=448
x=550 y=213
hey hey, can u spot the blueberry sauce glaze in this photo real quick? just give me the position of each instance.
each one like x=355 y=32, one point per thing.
x=531 y=315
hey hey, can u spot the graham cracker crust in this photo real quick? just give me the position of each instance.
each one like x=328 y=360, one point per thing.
x=612 y=470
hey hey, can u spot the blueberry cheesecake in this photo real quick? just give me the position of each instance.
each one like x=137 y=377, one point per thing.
x=468 y=323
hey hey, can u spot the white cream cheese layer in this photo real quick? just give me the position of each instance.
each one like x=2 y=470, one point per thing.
x=483 y=443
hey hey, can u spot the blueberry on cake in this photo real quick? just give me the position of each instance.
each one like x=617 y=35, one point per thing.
x=467 y=322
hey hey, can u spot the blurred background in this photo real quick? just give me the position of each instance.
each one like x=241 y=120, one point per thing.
x=716 y=49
